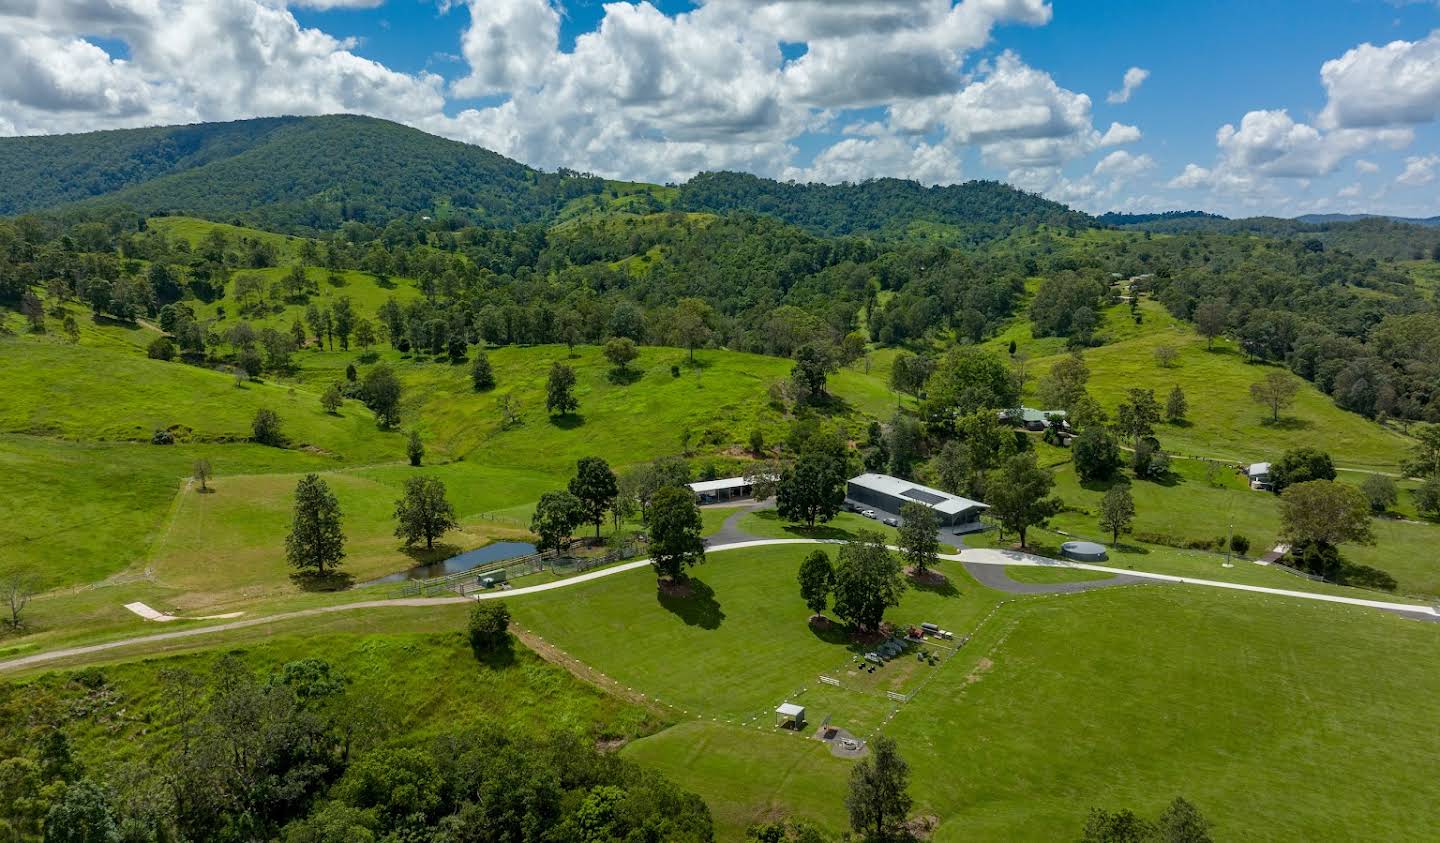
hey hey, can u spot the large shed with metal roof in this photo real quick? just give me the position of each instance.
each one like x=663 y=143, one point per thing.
x=890 y=493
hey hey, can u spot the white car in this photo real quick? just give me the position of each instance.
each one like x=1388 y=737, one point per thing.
x=868 y=513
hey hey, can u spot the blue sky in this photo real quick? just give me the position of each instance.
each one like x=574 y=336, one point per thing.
x=1330 y=105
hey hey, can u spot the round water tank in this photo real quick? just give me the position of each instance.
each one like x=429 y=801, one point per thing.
x=1083 y=551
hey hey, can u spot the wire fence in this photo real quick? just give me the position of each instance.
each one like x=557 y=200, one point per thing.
x=465 y=583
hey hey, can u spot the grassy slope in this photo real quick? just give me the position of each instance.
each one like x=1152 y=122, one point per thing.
x=739 y=646
x=1225 y=423
x=1249 y=698
x=394 y=664
x=83 y=393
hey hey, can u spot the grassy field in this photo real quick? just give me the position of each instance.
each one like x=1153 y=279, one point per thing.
x=1049 y=576
x=1247 y=700
x=82 y=393
x=410 y=669
x=1224 y=423
x=740 y=645
x=1201 y=503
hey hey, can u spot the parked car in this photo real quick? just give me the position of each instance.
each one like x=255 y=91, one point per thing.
x=868 y=513
x=890 y=522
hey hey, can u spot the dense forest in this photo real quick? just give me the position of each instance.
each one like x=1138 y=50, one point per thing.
x=879 y=206
x=1376 y=237
x=503 y=254
x=284 y=173
x=292 y=753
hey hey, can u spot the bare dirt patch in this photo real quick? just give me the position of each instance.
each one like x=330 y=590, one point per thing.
x=982 y=667
x=585 y=672
x=676 y=589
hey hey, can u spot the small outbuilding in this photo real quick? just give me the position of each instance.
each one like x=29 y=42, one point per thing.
x=724 y=489
x=790 y=716
x=1033 y=419
x=1259 y=476
x=1084 y=551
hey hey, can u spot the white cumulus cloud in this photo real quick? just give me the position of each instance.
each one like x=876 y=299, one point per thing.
x=1134 y=78
x=1419 y=170
x=1397 y=84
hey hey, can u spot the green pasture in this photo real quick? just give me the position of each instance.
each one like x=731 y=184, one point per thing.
x=1126 y=698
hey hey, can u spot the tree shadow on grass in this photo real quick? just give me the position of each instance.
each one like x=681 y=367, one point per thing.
x=1286 y=423
x=932 y=582
x=623 y=377
x=800 y=531
x=328 y=581
x=830 y=631
x=692 y=601
x=1180 y=423
x=498 y=657
x=568 y=421
x=439 y=553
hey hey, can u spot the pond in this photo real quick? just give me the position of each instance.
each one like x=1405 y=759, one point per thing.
x=464 y=562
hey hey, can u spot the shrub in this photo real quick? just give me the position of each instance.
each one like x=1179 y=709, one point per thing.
x=675 y=371
x=161 y=348
x=489 y=626
x=162 y=437
x=1240 y=544
x=265 y=429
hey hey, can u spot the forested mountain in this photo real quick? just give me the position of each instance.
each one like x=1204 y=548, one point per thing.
x=1117 y=219
x=1376 y=237
x=884 y=206
x=285 y=173
x=1329 y=218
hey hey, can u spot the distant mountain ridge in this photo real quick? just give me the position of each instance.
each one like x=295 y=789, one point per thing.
x=317 y=173
x=883 y=205
x=1323 y=219
x=281 y=172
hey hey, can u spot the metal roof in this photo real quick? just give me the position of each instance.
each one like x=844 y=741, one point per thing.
x=1258 y=469
x=706 y=486
x=943 y=502
x=790 y=709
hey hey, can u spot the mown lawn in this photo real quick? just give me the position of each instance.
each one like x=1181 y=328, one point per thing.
x=1280 y=720
x=740 y=645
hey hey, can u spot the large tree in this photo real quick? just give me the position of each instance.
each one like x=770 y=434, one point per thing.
x=1137 y=415
x=1017 y=494
x=482 y=377
x=423 y=512
x=690 y=324
x=811 y=490
x=1319 y=515
x=1300 y=465
x=817 y=578
x=919 y=535
x=560 y=390
x=556 y=516
x=1424 y=458
x=265 y=428
x=879 y=799
x=1095 y=454
x=1117 y=510
x=813 y=365
x=1276 y=391
x=620 y=351
x=1063 y=385
x=1210 y=318
x=969 y=380
x=675 y=527
x=381 y=393
x=594 y=485
x=868 y=580
x=315 y=542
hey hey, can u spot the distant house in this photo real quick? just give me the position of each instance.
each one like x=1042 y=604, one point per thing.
x=725 y=489
x=1259 y=476
x=1032 y=419
x=888 y=494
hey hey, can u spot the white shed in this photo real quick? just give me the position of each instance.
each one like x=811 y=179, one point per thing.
x=790 y=715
